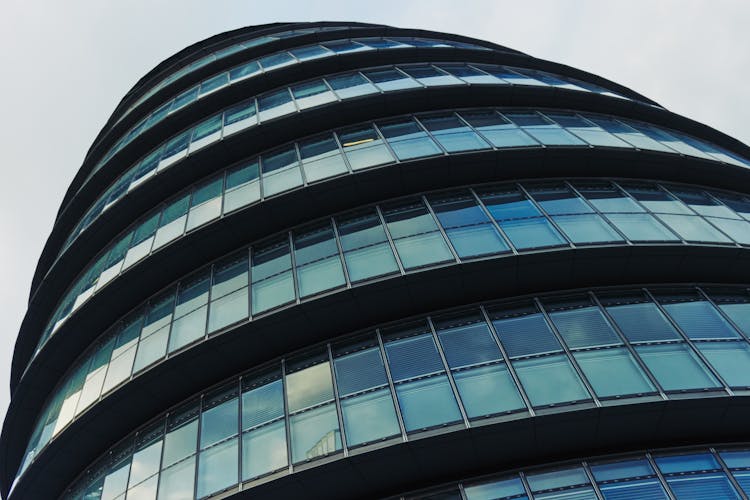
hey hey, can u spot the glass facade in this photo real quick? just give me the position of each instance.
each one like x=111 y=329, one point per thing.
x=475 y=222
x=355 y=84
x=449 y=369
x=393 y=331
x=715 y=473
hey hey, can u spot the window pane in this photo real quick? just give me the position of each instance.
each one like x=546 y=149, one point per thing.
x=613 y=372
x=262 y=404
x=702 y=486
x=180 y=443
x=312 y=94
x=264 y=450
x=359 y=371
x=229 y=275
x=145 y=463
x=427 y=403
x=453 y=134
x=369 y=417
x=309 y=387
x=693 y=228
x=391 y=79
x=584 y=327
x=228 y=310
x=351 y=85
x=176 y=482
x=676 y=367
x=504 y=488
x=368 y=262
x=730 y=359
x=315 y=433
x=641 y=227
x=275 y=104
x=699 y=320
x=188 y=329
x=582 y=229
x=413 y=357
x=217 y=468
x=642 y=323
x=466 y=341
x=487 y=390
x=364 y=148
x=219 y=422
x=526 y=335
x=550 y=380
x=408 y=140
x=532 y=233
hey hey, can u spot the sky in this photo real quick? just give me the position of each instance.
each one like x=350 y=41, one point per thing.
x=67 y=64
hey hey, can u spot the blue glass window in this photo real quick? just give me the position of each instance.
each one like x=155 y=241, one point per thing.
x=272 y=275
x=584 y=327
x=676 y=367
x=367 y=252
x=350 y=85
x=321 y=158
x=275 y=104
x=694 y=228
x=415 y=234
x=467 y=226
x=524 y=335
x=369 y=417
x=364 y=148
x=656 y=200
x=550 y=380
x=586 y=130
x=544 y=130
x=390 y=79
x=613 y=372
x=699 y=320
x=311 y=94
x=498 y=489
x=430 y=75
x=454 y=135
x=730 y=359
x=498 y=129
x=642 y=322
x=408 y=140
x=317 y=260
x=520 y=220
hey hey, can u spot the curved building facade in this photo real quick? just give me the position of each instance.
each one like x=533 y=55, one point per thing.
x=342 y=260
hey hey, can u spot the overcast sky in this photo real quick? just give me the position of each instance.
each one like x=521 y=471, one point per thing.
x=66 y=65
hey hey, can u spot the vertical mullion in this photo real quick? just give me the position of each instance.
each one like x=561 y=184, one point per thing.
x=390 y=239
x=728 y=473
x=349 y=168
x=239 y=433
x=250 y=283
x=567 y=351
x=391 y=385
x=721 y=312
x=590 y=475
x=660 y=476
x=508 y=364
x=161 y=455
x=545 y=215
x=440 y=229
x=287 y=420
x=198 y=447
x=628 y=345
x=690 y=343
x=447 y=369
x=293 y=261
x=525 y=484
x=493 y=222
x=340 y=248
x=295 y=145
x=337 y=401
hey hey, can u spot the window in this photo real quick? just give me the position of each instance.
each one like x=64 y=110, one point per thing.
x=586 y=130
x=468 y=228
x=520 y=219
x=408 y=140
x=321 y=158
x=366 y=401
x=280 y=170
x=275 y=104
x=205 y=203
x=544 y=130
x=229 y=301
x=205 y=133
x=264 y=447
x=242 y=186
x=430 y=75
x=317 y=260
x=498 y=129
x=390 y=79
x=172 y=223
x=311 y=94
x=364 y=148
x=415 y=234
x=367 y=252
x=676 y=367
x=483 y=381
x=424 y=393
x=272 y=275
x=313 y=419
x=350 y=85
x=217 y=460
x=191 y=310
x=454 y=135
x=239 y=117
